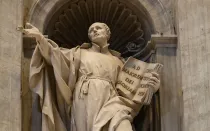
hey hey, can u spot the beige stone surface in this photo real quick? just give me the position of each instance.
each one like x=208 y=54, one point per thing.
x=27 y=5
x=10 y=65
x=193 y=28
x=193 y=19
x=170 y=96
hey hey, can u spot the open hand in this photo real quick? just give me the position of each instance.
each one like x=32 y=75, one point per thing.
x=32 y=31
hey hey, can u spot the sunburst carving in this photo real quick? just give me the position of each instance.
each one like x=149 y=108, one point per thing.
x=127 y=36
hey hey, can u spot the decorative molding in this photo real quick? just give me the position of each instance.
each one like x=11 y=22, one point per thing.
x=164 y=41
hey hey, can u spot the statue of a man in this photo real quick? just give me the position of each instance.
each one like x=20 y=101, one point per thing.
x=84 y=79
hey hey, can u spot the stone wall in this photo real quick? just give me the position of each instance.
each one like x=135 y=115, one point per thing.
x=10 y=65
x=27 y=5
x=193 y=57
x=193 y=26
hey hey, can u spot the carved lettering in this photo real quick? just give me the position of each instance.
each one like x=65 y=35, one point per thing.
x=129 y=81
x=146 y=79
x=136 y=67
x=125 y=86
x=144 y=86
x=132 y=74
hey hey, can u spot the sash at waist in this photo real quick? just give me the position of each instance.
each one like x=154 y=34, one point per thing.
x=85 y=77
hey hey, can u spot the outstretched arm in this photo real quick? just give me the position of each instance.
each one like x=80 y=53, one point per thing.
x=45 y=45
x=65 y=63
x=32 y=31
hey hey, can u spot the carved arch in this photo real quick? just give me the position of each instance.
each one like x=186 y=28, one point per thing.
x=42 y=11
x=130 y=37
x=155 y=20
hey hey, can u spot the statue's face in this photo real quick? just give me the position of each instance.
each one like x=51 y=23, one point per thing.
x=97 y=33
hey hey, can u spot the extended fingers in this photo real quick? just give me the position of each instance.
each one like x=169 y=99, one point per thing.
x=154 y=85
x=26 y=31
x=154 y=79
x=29 y=26
x=151 y=84
x=155 y=75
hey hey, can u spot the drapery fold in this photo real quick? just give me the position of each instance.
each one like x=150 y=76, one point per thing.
x=53 y=74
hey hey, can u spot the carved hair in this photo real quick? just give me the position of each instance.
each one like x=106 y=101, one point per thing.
x=107 y=30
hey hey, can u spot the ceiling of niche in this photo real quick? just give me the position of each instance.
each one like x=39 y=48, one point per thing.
x=130 y=26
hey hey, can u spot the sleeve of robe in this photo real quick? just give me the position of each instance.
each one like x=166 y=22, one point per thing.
x=53 y=73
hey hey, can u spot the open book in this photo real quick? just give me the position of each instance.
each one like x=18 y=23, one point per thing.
x=133 y=78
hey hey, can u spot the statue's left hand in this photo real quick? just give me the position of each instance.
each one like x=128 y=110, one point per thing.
x=154 y=81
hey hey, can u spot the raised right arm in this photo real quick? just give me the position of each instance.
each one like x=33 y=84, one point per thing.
x=46 y=46
x=65 y=62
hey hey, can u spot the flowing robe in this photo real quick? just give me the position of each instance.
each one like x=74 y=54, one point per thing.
x=81 y=84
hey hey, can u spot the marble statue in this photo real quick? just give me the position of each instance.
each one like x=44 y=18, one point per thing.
x=84 y=79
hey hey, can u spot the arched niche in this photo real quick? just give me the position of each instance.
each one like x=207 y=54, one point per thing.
x=130 y=38
x=150 y=14
x=42 y=11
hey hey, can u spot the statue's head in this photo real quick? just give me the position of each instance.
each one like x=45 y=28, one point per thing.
x=99 y=32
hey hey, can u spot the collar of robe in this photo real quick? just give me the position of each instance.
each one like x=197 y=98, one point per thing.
x=97 y=48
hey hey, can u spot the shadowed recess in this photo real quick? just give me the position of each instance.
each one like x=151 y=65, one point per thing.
x=130 y=27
